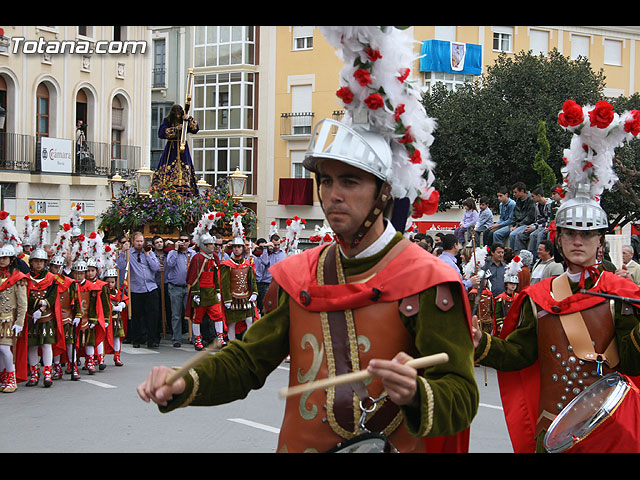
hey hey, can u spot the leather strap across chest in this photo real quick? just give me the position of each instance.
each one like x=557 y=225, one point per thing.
x=576 y=330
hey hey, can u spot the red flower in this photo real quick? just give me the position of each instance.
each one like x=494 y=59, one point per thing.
x=273 y=223
x=211 y=216
x=107 y=248
x=516 y=258
x=44 y=224
x=426 y=207
x=81 y=237
x=587 y=165
x=404 y=73
x=314 y=238
x=362 y=76
x=66 y=227
x=78 y=207
x=92 y=235
x=373 y=54
x=3 y=215
x=632 y=125
x=345 y=94
x=296 y=218
x=416 y=157
x=374 y=101
x=602 y=115
x=219 y=214
x=407 y=137
x=327 y=238
x=289 y=221
x=398 y=111
x=571 y=115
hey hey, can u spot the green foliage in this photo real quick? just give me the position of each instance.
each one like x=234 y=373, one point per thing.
x=486 y=133
x=540 y=165
x=132 y=211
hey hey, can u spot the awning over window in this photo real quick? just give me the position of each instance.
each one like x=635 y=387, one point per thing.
x=295 y=191
x=451 y=57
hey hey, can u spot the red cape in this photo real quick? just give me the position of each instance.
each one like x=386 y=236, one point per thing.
x=411 y=272
x=100 y=328
x=520 y=390
x=118 y=297
x=21 y=345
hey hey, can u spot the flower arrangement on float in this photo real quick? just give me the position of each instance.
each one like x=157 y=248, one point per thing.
x=172 y=211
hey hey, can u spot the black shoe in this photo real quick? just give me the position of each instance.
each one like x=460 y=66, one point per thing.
x=177 y=344
x=136 y=345
x=152 y=345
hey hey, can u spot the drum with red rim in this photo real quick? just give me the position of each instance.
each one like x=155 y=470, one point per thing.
x=604 y=418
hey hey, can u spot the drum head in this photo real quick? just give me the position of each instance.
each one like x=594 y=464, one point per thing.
x=585 y=412
x=365 y=443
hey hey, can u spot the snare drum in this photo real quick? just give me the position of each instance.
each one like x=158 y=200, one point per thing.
x=604 y=418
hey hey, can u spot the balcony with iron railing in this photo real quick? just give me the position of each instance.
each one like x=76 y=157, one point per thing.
x=296 y=125
x=23 y=153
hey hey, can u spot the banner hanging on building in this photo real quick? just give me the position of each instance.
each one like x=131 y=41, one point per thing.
x=451 y=57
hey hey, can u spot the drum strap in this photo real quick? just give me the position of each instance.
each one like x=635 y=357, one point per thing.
x=576 y=329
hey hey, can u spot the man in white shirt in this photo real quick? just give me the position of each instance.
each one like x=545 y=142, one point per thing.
x=630 y=268
x=545 y=266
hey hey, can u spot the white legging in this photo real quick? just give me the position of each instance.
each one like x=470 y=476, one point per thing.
x=47 y=355
x=6 y=358
x=232 y=328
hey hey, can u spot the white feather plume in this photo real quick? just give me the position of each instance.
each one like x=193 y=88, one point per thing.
x=387 y=52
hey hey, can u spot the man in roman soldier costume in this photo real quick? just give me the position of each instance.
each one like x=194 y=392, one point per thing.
x=203 y=280
x=238 y=286
x=116 y=324
x=95 y=266
x=503 y=301
x=370 y=301
x=66 y=298
x=89 y=314
x=13 y=305
x=44 y=326
x=560 y=336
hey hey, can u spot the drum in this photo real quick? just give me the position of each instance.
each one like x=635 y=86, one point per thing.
x=604 y=418
x=365 y=443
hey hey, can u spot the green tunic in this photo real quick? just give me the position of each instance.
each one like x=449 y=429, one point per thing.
x=519 y=349
x=448 y=393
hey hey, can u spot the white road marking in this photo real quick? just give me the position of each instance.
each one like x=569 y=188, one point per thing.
x=97 y=383
x=255 y=425
x=490 y=406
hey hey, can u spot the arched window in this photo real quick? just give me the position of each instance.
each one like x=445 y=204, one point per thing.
x=42 y=112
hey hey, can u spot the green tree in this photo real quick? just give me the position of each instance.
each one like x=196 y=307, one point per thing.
x=487 y=131
x=547 y=176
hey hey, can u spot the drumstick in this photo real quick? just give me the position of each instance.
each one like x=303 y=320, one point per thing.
x=195 y=361
x=352 y=377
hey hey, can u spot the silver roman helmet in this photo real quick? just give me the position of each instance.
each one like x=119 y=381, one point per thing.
x=7 y=250
x=582 y=212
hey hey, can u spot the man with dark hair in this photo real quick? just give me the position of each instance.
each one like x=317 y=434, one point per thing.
x=496 y=268
x=176 y=263
x=531 y=236
x=271 y=254
x=506 y=206
x=524 y=214
x=545 y=266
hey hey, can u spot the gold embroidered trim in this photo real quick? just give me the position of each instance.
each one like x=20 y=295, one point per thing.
x=194 y=390
x=486 y=348
x=428 y=415
x=633 y=337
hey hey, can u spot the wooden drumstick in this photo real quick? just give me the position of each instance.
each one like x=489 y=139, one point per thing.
x=352 y=377
x=195 y=361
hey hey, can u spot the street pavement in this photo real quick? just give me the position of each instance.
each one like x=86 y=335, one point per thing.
x=102 y=413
